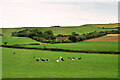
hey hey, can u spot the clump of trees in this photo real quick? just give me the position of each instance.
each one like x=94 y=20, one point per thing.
x=36 y=34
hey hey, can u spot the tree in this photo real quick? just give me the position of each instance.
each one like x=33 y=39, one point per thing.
x=72 y=38
x=74 y=33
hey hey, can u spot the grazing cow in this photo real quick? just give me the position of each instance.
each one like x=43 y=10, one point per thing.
x=42 y=60
x=62 y=59
x=57 y=60
x=59 y=57
x=79 y=58
x=37 y=59
x=47 y=60
x=14 y=53
x=71 y=58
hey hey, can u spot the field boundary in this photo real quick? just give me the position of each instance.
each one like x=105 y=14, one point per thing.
x=62 y=50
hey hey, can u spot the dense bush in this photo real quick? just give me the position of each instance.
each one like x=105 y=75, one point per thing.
x=72 y=38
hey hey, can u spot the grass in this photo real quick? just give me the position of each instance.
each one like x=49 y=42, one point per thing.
x=84 y=45
x=17 y=40
x=113 y=25
x=23 y=65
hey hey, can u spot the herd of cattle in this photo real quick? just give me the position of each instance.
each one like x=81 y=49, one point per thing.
x=59 y=59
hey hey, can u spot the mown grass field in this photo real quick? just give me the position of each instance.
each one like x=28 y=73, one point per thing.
x=84 y=45
x=23 y=65
x=113 y=25
x=17 y=40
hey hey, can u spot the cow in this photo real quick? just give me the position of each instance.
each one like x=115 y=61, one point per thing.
x=71 y=58
x=14 y=53
x=59 y=57
x=62 y=59
x=42 y=60
x=57 y=60
x=37 y=59
x=47 y=60
x=79 y=58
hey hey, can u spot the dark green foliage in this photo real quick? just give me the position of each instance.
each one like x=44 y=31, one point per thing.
x=48 y=35
x=55 y=26
x=74 y=33
x=72 y=38
x=60 y=35
x=36 y=35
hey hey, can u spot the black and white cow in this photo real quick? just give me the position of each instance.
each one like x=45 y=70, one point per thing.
x=47 y=60
x=61 y=58
x=79 y=58
x=37 y=59
x=14 y=53
x=71 y=58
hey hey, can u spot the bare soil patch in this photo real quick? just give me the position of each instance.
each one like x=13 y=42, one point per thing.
x=106 y=39
x=113 y=35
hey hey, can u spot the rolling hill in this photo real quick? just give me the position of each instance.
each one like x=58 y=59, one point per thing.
x=65 y=30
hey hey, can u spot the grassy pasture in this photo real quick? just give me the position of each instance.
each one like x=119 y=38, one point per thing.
x=17 y=40
x=23 y=65
x=114 y=25
x=84 y=45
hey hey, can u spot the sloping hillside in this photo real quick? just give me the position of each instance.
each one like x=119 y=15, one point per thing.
x=62 y=30
x=114 y=25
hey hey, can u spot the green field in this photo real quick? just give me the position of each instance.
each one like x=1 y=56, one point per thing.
x=23 y=65
x=113 y=25
x=84 y=45
x=17 y=40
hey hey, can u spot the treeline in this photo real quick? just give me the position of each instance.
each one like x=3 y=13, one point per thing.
x=35 y=34
x=96 y=34
x=48 y=36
